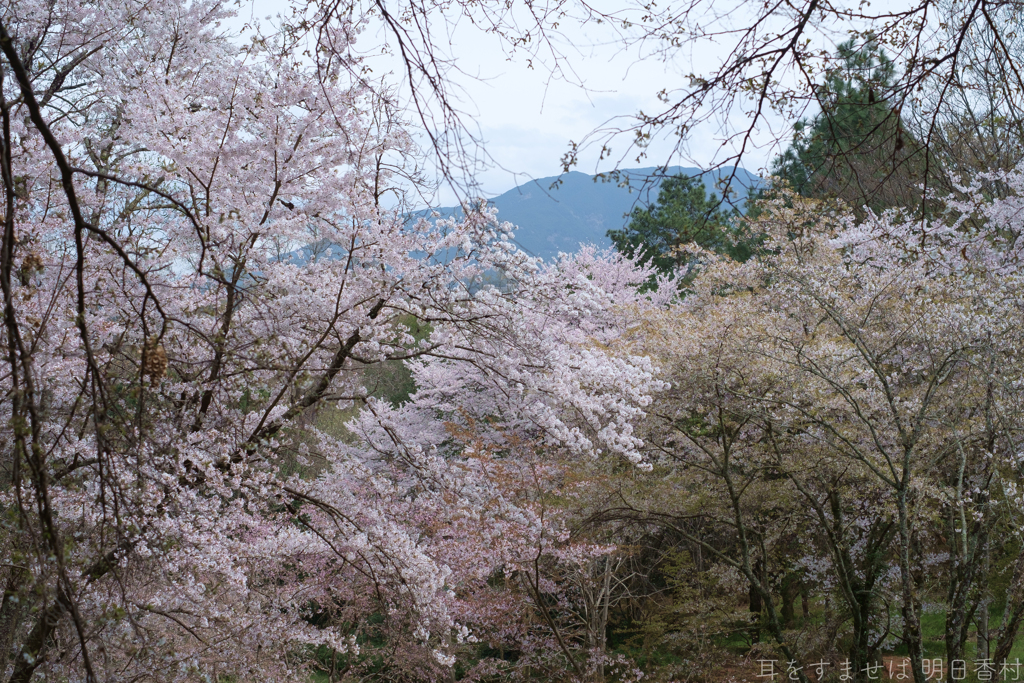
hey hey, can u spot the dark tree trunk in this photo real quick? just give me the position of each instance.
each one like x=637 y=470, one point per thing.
x=756 y=605
x=790 y=588
x=1013 y=613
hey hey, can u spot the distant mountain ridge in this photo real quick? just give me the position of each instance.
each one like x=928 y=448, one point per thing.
x=551 y=217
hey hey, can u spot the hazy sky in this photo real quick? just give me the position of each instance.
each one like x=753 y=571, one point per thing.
x=526 y=118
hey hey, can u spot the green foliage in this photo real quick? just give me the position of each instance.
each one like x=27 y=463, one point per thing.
x=683 y=214
x=851 y=115
x=392 y=380
x=857 y=148
x=681 y=631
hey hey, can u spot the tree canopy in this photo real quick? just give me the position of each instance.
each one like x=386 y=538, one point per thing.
x=685 y=213
x=197 y=482
x=857 y=148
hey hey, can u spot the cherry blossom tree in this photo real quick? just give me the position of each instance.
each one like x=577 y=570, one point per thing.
x=196 y=262
x=868 y=369
x=514 y=412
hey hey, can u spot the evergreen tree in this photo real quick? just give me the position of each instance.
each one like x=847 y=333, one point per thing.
x=857 y=148
x=685 y=213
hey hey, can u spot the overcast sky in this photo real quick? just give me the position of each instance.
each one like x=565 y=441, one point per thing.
x=526 y=119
